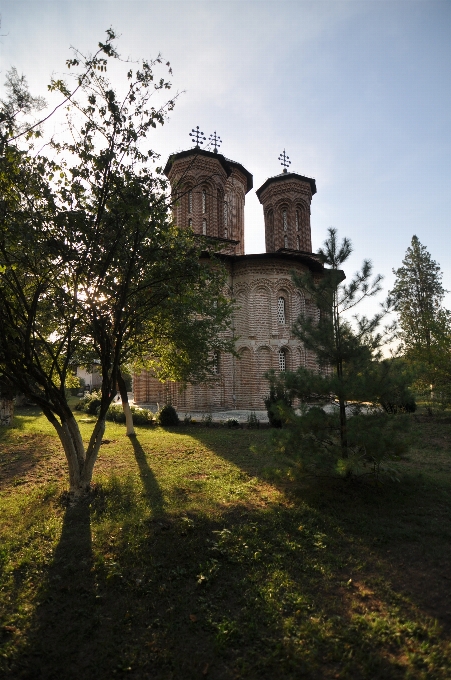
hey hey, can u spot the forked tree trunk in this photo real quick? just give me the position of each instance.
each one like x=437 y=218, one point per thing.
x=125 y=405
x=80 y=461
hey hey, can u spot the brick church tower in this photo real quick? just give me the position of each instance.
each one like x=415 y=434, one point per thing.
x=209 y=191
x=286 y=200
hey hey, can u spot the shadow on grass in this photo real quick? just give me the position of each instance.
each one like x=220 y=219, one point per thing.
x=401 y=528
x=252 y=595
x=304 y=590
x=65 y=620
x=151 y=486
x=24 y=415
x=23 y=457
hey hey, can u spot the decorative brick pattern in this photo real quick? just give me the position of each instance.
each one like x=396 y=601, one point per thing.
x=286 y=207
x=256 y=282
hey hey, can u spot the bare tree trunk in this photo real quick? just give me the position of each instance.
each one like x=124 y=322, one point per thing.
x=74 y=454
x=343 y=429
x=80 y=462
x=6 y=411
x=125 y=405
x=92 y=452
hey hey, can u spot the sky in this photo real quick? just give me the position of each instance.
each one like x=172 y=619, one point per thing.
x=358 y=93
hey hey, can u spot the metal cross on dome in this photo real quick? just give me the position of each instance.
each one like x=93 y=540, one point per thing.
x=216 y=141
x=198 y=137
x=284 y=161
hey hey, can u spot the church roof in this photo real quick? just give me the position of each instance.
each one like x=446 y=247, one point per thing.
x=311 y=260
x=226 y=163
x=287 y=175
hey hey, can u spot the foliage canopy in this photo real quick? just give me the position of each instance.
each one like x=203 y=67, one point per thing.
x=91 y=265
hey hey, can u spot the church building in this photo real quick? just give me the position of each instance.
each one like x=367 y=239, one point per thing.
x=213 y=190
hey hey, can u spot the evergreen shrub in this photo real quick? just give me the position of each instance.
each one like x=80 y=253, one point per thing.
x=278 y=396
x=168 y=416
x=252 y=421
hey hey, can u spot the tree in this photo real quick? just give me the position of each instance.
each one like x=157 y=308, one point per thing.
x=424 y=325
x=348 y=372
x=418 y=295
x=90 y=264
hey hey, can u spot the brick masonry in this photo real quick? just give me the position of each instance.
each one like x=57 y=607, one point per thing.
x=257 y=283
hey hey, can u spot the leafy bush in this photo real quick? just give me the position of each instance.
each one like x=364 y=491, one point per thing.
x=116 y=413
x=141 y=416
x=232 y=422
x=89 y=403
x=168 y=416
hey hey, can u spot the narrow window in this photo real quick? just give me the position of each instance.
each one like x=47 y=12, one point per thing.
x=225 y=214
x=297 y=220
x=204 y=201
x=190 y=223
x=190 y=201
x=226 y=233
x=215 y=367
x=281 y=311
x=285 y=241
x=204 y=227
x=298 y=246
x=282 y=360
x=285 y=220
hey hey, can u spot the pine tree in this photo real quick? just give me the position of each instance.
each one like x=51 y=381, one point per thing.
x=424 y=324
x=350 y=374
x=418 y=295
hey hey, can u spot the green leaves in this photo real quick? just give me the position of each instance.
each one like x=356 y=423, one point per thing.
x=91 y=266
x=348 y=374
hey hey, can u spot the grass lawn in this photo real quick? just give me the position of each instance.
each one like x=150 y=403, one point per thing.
x=197 y=556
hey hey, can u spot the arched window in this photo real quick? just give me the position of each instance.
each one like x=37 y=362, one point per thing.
x=204 y=227
x=285 y=219
x=285 y=241
x=298 y=221
x=282 y=360
x=215 y=367
x=190 y=201
x=204 y=201
x=281 y=311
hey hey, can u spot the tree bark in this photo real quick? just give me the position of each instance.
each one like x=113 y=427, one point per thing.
x=6 y=411
x=92 y=453
x=343 y=429
x=80 y=461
